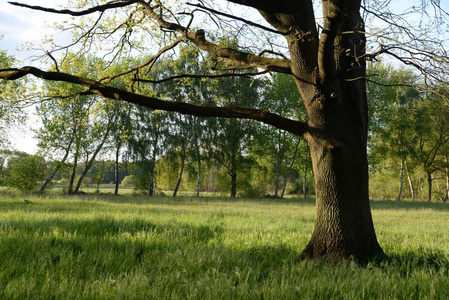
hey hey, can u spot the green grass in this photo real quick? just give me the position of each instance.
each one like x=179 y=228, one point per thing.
x=54 y=247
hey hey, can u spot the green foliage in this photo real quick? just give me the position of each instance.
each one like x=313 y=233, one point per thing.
x=409 y=134
x=26 y=173
x=11 y=112
x=140 y=248
x=128 y=181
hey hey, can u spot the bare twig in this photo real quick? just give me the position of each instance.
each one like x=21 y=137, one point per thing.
x=149 y=61
x=54 y=60
x=247 y=74
x=239 y=19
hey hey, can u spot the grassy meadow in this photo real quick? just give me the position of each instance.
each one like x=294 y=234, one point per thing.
x=128 y=247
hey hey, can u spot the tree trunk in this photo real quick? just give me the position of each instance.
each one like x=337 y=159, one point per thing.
x=116 y=169
x=80 y=180
x=178 y=183
x=401 y=181
x=151 y=189
x=90 y=162
x=233 y=184
x=304 y=179
x=447 y=186
x=153 y=164
x=47 y=181
x=198 y=186
x=343 y=227
x=280 y=159
x=410 y=182
x=75 y=165
x=152 y=168
x=447 y=182
x=429 y=185
x=337 y=115
x=49 y=178
x=287 y=172
x=278 y=173
x=233 y=174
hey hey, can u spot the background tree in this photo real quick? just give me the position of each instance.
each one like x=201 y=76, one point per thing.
x=391 y=104
x=11 y=109
x=26 y=173
x=145 y=145
x=7 y=159
x=232 y=137
x=98 y=133
x=185 y=131
x=282 y=147
x=57 y=133
x=431 y=130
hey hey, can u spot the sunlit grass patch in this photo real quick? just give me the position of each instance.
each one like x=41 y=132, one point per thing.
x=107 y=247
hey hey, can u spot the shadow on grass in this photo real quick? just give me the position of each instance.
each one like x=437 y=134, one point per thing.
x=411 y=262
x=191 y=199
x=406 y=205
x=108 y=226
x=88 y=249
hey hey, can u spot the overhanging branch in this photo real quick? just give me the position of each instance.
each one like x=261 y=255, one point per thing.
x=100 y=8
x=94 y=87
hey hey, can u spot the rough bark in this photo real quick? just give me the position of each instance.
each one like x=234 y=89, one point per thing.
x=304 y=181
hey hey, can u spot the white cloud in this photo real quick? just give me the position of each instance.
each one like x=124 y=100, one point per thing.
x=19 y=25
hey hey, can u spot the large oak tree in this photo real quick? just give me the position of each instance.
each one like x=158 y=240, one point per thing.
x=327 y=62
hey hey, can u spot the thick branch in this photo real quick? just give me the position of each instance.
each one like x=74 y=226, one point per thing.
x=100 y=8
x=199 y=39
x=94 y=87
x=263 y=5
x=296 y=18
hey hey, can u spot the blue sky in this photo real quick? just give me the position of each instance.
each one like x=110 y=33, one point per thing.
x=19 y=25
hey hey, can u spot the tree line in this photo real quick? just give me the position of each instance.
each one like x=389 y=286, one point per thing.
x=87 y=140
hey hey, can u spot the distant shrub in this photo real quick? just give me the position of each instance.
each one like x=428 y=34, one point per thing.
x=128 y=181
x=26 y=173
